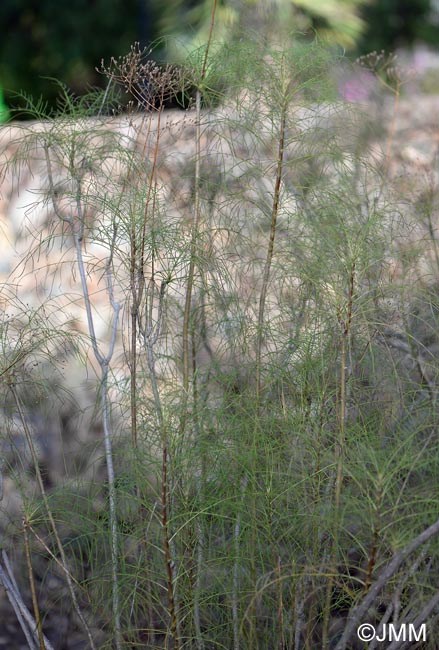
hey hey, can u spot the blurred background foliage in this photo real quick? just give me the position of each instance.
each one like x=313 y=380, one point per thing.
x=43 y=39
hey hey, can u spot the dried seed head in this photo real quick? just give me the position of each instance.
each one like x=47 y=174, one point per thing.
x=149 y=83
x=383 y=64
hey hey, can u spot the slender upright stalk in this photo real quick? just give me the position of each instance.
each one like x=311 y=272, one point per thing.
x=195 y=227
x=197 y=589
x=270 y=248
x=259 y=342
x=104 y=362
x=198 y=568
x=192 y=265
x=133 y=350
x=33 y=591
x=150 y=332
x=137 y=265
x=77 y=226
x=280 y=606
x=344 y=375
x=346 y=326
x=187 y=329
x=236 y=567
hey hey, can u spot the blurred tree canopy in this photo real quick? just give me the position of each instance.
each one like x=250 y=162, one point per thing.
x=66 y=41
x=357 y=25
x=397 y=23
x=337 y=21
x=41 y=38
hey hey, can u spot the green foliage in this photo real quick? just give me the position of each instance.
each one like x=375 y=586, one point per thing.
x=279 y=467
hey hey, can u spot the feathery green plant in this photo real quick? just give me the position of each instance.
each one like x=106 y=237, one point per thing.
x=268 y=393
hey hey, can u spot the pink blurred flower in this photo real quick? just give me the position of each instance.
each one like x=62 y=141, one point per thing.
x=358 y=88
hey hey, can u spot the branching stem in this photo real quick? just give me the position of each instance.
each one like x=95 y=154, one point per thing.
x=77 y=228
